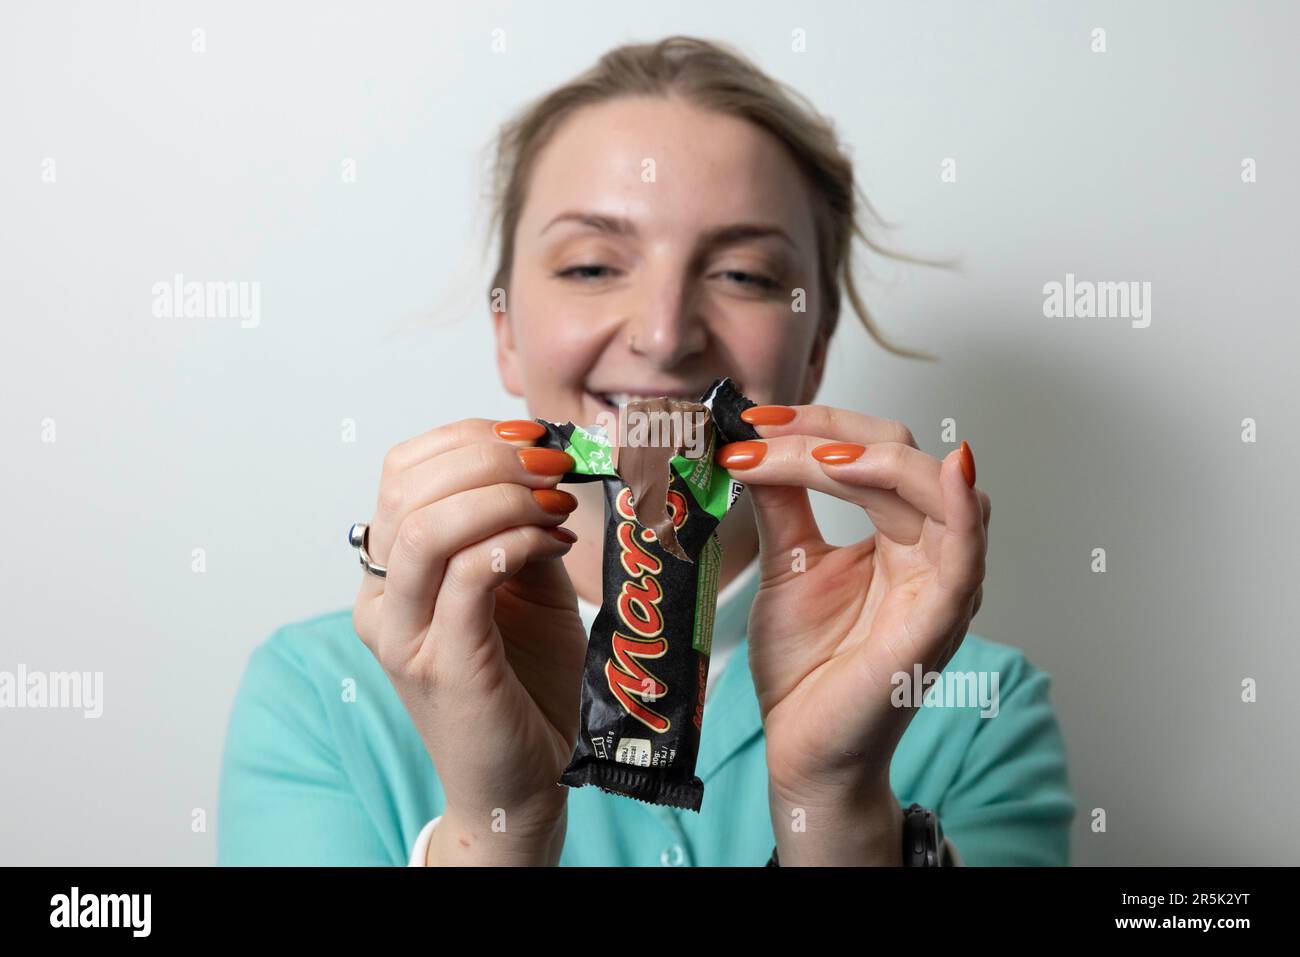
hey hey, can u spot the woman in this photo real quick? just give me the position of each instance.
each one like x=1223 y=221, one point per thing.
x=670 y=217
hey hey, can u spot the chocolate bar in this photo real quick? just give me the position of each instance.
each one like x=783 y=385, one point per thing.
x=647 y=663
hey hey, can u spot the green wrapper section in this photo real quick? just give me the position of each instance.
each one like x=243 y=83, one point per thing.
x=709 y=482
x=591 y=451
x=706 y=595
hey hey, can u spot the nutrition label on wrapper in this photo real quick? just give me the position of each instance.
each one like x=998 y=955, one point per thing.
x=638 y=752
x=633 y=751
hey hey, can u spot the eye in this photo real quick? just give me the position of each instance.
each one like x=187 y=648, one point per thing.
x=752 y=278
x=573 y=272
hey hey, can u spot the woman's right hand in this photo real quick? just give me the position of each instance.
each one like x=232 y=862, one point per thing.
x=477 y=627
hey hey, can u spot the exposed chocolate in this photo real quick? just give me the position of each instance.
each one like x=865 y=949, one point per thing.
x=646 y=466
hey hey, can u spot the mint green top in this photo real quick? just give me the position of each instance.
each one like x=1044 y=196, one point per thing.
x=311 y=777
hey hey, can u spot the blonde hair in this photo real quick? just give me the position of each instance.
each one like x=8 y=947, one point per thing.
x=715 y=77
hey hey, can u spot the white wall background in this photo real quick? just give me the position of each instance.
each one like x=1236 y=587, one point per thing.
x=180 y=434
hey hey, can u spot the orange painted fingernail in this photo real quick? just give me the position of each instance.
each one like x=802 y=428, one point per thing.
x=967 y=463
x=546 y=461
x=555 y=500
x=741 y=455
x=563 y=534
x=838 y=453
x=517 y=430
x=768 y=414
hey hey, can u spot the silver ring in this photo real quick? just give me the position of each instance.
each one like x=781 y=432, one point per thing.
x=359 y=538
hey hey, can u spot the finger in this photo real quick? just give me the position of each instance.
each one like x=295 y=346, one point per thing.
x=458 y=470
x=964 y=544
x=548 y=582
x=464 y=615
x=944 y=606
x=421 y=448
x=895 y=483
x=429 y=536
x=785 y=521
x=520 y=433
x=837 y=425
x=453 y=435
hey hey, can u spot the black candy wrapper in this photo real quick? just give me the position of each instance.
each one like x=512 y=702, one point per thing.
x=647 y=663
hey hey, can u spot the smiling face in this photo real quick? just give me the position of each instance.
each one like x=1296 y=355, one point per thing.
x=658 y=249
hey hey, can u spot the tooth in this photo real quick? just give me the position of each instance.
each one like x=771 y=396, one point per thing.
x=619 y=398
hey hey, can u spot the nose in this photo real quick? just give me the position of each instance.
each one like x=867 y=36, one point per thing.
x=666 y=329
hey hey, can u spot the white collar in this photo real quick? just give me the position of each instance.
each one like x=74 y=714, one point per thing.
x=732 y=618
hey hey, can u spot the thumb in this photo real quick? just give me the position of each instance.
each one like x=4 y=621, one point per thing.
x=785 y=520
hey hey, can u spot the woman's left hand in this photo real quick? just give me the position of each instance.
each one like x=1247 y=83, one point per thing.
x=831 y=626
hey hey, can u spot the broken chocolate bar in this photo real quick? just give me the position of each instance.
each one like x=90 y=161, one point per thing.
x=647 y=663
x=646 y=467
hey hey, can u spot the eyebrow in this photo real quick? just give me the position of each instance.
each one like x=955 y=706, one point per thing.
x=721 y=236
